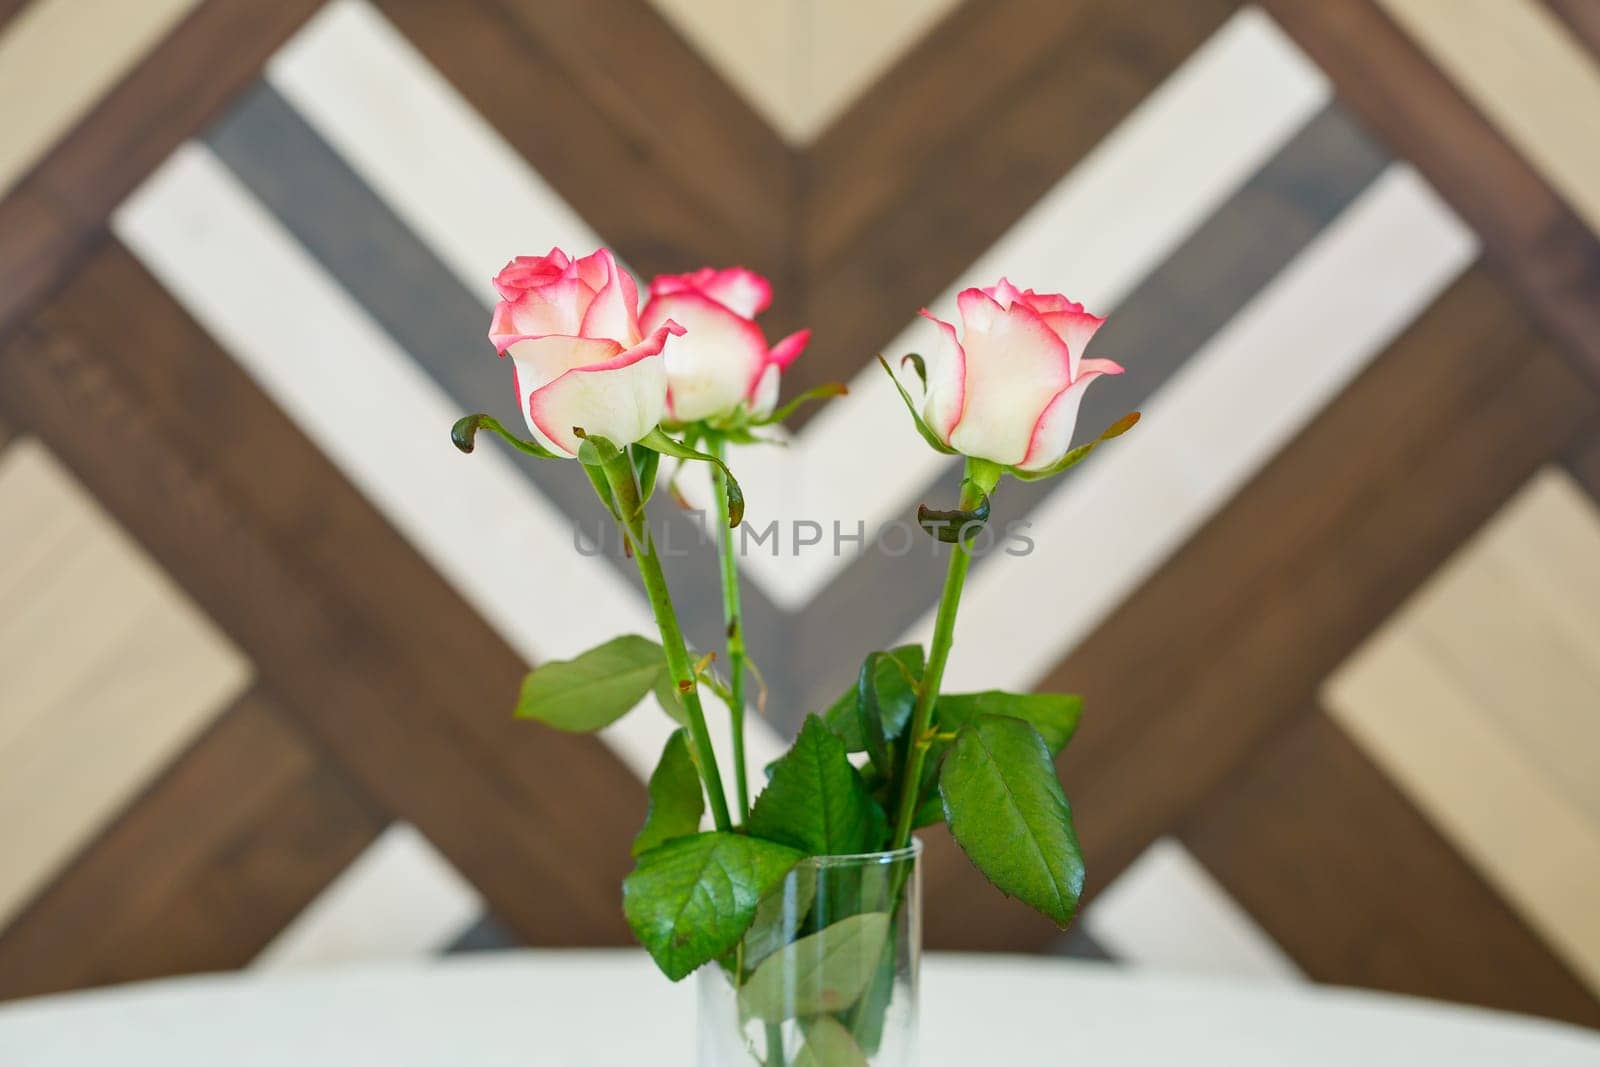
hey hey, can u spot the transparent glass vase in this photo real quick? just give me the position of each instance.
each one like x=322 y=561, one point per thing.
x=826 y=974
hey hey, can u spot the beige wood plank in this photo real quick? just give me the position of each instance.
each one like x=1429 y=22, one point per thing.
x=1519 y=64
x=1516 y=620
x=58 y=58
x=109 y=670
x=801 y=63
x=1481 y=698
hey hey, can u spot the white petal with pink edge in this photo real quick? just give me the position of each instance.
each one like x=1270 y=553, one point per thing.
x=741 y=291
x=1052 y=434
x=621 y=400
x=716 y=363
x=946 y=367
x=1015 y=366
x=764 y=397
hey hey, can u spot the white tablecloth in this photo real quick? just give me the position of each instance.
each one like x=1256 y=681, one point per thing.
x=611 y=1009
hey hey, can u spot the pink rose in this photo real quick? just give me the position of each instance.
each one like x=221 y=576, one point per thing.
x=572 y=329
x=1008 y=390
x=722 y=364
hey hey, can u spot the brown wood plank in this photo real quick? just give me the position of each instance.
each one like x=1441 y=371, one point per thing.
x=423 y=727
x=1583 y=460
x=692 y=127
x=1582 y=18
x=950 y=149
x=1353 y=882
x=172 y=93
x=646 y=200
x=227 y=846
x=1548 y=258
x=1233 y=635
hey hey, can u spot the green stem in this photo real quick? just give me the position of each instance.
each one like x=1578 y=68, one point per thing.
x=734 y=618
x=978 y=481
x=625 y=494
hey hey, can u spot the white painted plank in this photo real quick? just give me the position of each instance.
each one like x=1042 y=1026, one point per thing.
x=1167 y=913
x=399 y=898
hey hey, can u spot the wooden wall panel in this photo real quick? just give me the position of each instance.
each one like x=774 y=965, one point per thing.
x=548 y=868
x=170 y=95
x=209 y=407
x=1533 y=242
x=109 y=670
x=1478 y=699
x=928 y=170
x=41 y=60
x=614 y=177
x=1582 y=18
x=1234 y=635
x=223 y=850
x=1339 y=867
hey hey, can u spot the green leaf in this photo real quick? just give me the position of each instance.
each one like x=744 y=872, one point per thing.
x=1054 y=715
x=820 y=392
x=1006 y=810
x=824 y=972
x=829 y=1044
x=676 y=802
x=916 y=416
x=658 y=441
x=666 y=693
x=1081 y=453
x=464 y=435
x=692 y=899
x=816 y=801
x=780 y=914
x=893 y=681
x=594 y=690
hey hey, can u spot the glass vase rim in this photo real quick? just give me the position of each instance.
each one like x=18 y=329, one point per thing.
x=864 y=859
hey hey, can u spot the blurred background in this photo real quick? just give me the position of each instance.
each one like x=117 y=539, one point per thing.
x=1334 y=605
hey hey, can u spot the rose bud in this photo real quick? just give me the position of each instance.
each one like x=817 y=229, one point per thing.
x=1008 y=389
x=571 y=327
x=721 y=369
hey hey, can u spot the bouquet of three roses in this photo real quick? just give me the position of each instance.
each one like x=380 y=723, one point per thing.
x=617 y=386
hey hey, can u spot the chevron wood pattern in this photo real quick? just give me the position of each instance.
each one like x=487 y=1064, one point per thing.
x=221 y=289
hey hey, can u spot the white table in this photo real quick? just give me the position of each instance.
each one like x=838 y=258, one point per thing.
x=610 y=1009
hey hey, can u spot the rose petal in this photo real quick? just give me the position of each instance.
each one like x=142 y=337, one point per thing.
x=946 y=366
x=614 y=313
x=620 y=399
x=553 y=308
x=787 y=350
x=1052 y=434
x=1003 y=293
x=718 y=361
x=742 y=291
x=1015 y=366
x=764 y=396
x=1076 y=327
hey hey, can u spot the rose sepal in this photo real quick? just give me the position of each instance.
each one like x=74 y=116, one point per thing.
x=916 y=416
x=1079 y=454
x=658 y=441
x=825 y=391
x=464 y=435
